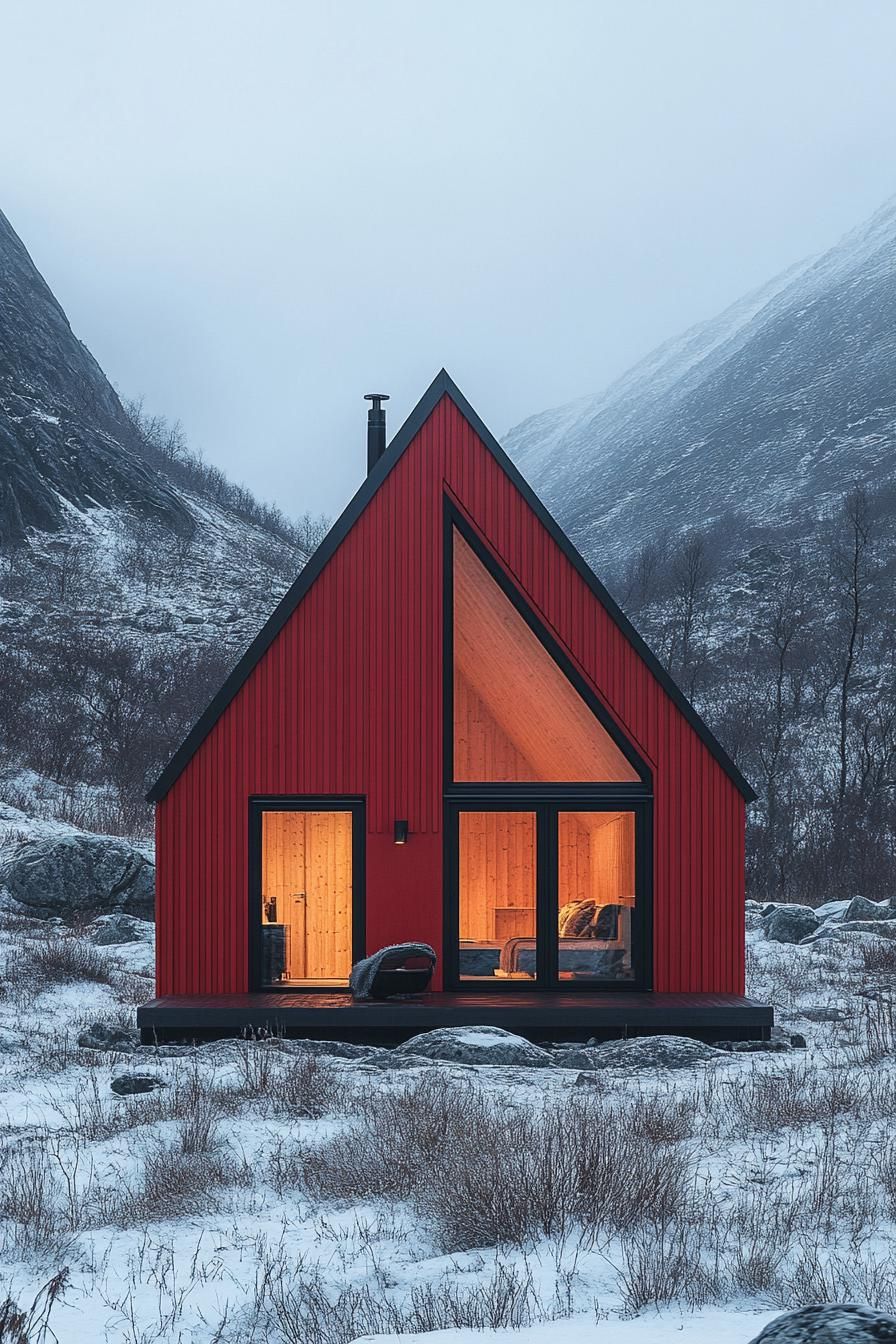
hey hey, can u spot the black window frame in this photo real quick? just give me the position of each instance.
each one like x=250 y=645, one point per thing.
x=258 y=805
x=545 y=799
x=547 y=810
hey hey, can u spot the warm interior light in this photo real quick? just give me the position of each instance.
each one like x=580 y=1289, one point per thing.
x=401 y=832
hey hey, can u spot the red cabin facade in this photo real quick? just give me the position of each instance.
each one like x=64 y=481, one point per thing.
x=448 y=732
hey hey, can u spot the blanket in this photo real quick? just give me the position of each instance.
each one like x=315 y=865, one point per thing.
x=364 y=972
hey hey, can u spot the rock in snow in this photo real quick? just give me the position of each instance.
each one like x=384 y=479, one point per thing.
x=100 y=1037
x=833 y=1323
x=860 y=908
x=110 y=930
x=476 y=1045
x=130 y=1084
x=76 y=875
x=790 y=923
x=647 y=1053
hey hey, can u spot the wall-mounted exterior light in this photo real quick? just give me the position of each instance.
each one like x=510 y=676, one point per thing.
x=401 y=832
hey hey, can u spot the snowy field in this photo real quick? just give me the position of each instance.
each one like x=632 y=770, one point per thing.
x=271 y=1192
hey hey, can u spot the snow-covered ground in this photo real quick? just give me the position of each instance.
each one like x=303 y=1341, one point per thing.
x=268 y=1192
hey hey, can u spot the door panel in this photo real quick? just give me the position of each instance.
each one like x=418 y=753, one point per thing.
x=306 y=897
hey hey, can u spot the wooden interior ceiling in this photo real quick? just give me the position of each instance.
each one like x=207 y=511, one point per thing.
x=516 y=716
x=306 y=866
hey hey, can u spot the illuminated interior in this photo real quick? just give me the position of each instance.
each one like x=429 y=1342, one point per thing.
x=595 y=894
x=306 y=906
x=517 y=718
x=499 y=896
x=497 y=891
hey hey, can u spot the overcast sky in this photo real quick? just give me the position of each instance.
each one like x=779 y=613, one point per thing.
x=254 y=211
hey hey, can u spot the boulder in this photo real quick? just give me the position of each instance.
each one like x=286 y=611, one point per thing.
x=780 y=1042
x=790 y=923
x=825 y=1013
x=860 y=908
x=333 y=1049
x=831 y=1323
x=115 y=929
x=100 y=1037
x=878 y=928
x=642 y=1054
x=73 y=876
x=130 y=1084
x=831 y=910
x=476 y=1045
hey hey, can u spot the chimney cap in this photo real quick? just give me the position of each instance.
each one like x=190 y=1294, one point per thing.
x=376 y=396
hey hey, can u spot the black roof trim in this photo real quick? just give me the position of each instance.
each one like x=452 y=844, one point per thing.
x=442 y=385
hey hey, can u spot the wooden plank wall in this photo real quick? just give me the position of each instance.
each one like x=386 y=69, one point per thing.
x=348 y=700
x=497 y=875
x=595 y=856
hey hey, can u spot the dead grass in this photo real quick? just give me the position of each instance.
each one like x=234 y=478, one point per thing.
x=306 y=1308
x=515 y=1174
x=64 y=958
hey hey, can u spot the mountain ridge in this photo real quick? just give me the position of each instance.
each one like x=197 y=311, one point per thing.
x=782 y=400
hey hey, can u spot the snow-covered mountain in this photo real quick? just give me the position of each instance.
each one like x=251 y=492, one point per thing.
x=129 y=570
x=64 y=435
x=759 y=416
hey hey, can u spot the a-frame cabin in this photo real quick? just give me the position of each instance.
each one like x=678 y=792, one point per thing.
x=448 y=732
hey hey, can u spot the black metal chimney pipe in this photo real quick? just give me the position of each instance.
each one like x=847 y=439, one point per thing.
x=376 y=428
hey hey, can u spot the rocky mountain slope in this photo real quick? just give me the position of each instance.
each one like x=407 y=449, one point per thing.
x=762 y=415
x=131 y=573
x=736 y=490
x=64 y=435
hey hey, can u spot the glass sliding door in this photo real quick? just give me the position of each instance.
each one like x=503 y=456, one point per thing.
x=307 y=889
x=497 y=895
x=595 y=895
x=549 y=894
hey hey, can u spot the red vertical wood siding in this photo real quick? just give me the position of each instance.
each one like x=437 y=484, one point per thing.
x=348 y=700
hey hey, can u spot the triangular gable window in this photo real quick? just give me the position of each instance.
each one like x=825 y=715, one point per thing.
x=517 y=717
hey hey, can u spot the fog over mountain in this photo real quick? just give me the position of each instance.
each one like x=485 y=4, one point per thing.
x=759 y=416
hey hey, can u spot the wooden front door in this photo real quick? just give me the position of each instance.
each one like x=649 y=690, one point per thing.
x=306 y=860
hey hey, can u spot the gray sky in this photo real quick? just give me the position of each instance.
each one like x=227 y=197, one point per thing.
x=254 y=211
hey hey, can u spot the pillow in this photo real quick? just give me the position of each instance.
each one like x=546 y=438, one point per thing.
x=575 y=918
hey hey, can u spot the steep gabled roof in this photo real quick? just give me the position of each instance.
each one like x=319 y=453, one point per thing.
x=441 y=386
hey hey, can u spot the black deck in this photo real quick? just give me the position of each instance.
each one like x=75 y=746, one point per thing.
x=554 y=1016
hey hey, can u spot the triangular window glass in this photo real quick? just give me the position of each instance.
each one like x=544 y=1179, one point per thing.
x=517 y=718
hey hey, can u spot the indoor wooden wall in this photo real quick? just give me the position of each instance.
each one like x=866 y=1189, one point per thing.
x=596 y=857
x=497 y=875
x=307 y=866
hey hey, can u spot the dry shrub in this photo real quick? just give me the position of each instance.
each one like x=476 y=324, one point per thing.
x=662 y=1119
x=822 y=1276
x=307 y=1089
x=878 y=954
x=175 y=1183
x=197 y=1107
x=31 y=1201
x=32 y=1326
x=878 y=1034
x=670 y=1260
x=65 y=958
x=795 y=1095
x=513 y=1174
x=301 y=1087
x=306 y=1308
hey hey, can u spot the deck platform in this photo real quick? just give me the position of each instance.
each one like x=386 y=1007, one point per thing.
x=541 y=1015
